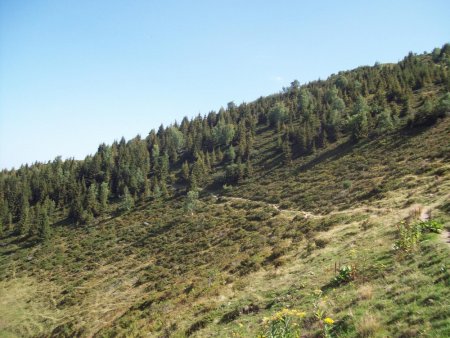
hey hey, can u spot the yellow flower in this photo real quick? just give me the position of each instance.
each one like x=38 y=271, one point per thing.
x=328 y=321
x=298 y=314
x=318 y=292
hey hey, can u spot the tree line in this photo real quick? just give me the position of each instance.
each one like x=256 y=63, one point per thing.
x=358 y=104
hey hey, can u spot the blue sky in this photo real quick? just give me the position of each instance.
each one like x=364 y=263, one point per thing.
x=74 y=74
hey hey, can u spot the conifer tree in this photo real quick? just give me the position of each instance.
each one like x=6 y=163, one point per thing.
x=147 y=190
x=358 y=122
x=197 y=176
x=103 y=197
x=220 y=156
x=287 y=153
x=24 y=221
x=10 y=222
x=248 y=169
x=91 y=200
x=185 y=171
x=231 y=154
x=127 y=202
x=45 y=230
x=76 y=208
x=156 y=190
x=191 y=201
x=385 y=122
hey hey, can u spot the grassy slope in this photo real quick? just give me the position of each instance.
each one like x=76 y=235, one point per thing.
x=218 y=273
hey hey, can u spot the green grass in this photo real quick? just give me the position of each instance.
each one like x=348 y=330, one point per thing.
x=270 y=243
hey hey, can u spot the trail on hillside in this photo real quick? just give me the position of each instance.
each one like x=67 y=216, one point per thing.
x=291 y=213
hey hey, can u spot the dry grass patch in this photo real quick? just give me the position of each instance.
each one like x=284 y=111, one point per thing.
x=368 y=326
x=365 y=292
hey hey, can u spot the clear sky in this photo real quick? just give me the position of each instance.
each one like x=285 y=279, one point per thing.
x=74 y=74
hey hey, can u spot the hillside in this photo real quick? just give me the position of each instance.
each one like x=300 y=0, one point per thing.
x=325 y=198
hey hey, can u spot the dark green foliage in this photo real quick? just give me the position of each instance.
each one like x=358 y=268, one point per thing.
x=191 y=201
x=230 y=155
x=358 y=121
x=431 y=226
x=127 y=201
x=103 y=197
x=45 y=231
x=185 y=171
x=24 y=221
x=223 y=133
x=278 y=114
x=385 y=123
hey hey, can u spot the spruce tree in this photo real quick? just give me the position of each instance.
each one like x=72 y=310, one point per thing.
x=287 y=153
x=24 y=221
x=127 y=202
x=231 y=154
x=185 y=171
x=385 y=122
x=45 y=230
x=103 y=197
x=91 y=200
x=10 y=222
x=191 y=201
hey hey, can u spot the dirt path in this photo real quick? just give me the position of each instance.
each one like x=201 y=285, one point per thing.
x=445 y=235
x=289 y=213
x=425 y=212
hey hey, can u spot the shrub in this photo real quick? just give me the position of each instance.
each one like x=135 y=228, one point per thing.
x=408 y=236
x=283 y=324
x=344 y=275
x=321 y=242
x=431 y=226
x=346 y=184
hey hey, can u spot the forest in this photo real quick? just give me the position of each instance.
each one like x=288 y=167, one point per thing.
x=363 y=103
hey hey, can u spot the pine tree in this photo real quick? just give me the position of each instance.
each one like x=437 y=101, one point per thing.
x=359 y=122
x=191 y=201
x=76 y=208
x=248 y=169
x=197 y=176
x=127 y=202
x=185 y=171
x=385 y=122
x=359 y=126
x=91 y=200
x=231 y=154
x=147 y=190
x=10 y=222
x=156 y=190
x=45 y=230
x=287 y=153
x=24 y=221
x=220 y=156
x=103 y=197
